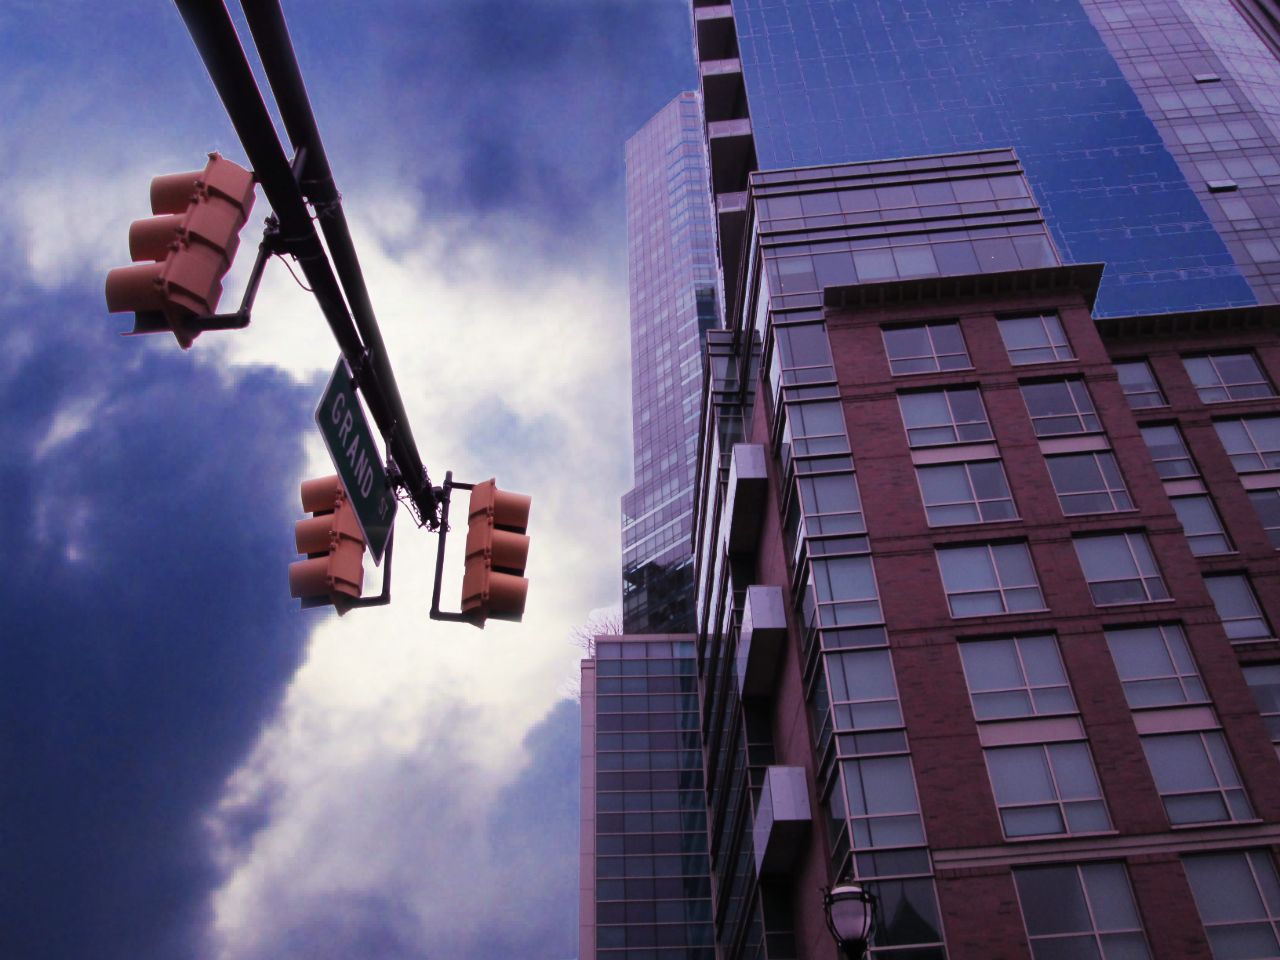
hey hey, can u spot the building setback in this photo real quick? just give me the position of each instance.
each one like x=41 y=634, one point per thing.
x=988 y=496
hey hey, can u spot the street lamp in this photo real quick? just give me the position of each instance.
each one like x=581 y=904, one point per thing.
x=851 y=917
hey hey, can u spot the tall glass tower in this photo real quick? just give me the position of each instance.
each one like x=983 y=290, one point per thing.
x=673 y=302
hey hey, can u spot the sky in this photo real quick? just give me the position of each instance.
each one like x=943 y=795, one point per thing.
x=190 y=766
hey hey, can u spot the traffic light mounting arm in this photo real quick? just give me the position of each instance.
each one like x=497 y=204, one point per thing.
x=442 y=497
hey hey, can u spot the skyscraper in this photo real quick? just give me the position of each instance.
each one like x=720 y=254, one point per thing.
x=672 y=271
x=989 y=484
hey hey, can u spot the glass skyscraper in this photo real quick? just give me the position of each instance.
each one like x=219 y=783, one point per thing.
x=672 y=272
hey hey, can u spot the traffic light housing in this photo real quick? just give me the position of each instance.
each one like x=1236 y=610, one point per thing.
x=493 y=583
x=333 y=573
x=186 y=249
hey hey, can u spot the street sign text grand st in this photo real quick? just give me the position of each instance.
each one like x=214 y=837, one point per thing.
x=351 y=445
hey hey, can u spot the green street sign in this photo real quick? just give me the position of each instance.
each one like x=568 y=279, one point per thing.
x=350 y=441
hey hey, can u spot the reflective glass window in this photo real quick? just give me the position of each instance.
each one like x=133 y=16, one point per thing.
x=1169 y=451
x=989 y=578
x=1120 y=568
x=1253 y=443
x=1264 y=681
x=1267 y=503
x=926 y=348
x=1202 y=525
x=1196 y=777
x=1016 y=677
x=1155 y=666
x=1237 y=606
x=954 y=415
x=1080 y=912
x=1037 y=339
x=1228 y=376
x=1139 y=384
x=1238 y=896
x=882 y=805
x=965 y=493
x=1060 y=407
x=1046 y=788
x=1088 y=483
x=864 y=693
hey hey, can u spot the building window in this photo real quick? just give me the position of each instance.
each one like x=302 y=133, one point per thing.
x=1038 y=339
x=1238 y=896
x=1016 y=677
x=926 y=348
x=1264 y=681
x=1081 y=911
x=1238 y=607
x=1155 y=666
x=1088 y=483
x=864 y=695
x=1139 y=384
x=1120 y=568
x=1227 y=376
x=989 y=578
x=945 y=416
x=1169 y=451
x=1196 y=777
x=1202 y=525
x=813 y=429
x=1267 y=503
x=1060 y=407
x=802 y=354
x=882 y=806
x=965 y=493
x=1046 y=788
x=844 y=591
x=1252 y=443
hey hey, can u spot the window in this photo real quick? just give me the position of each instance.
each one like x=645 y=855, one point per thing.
x=813 y=429
x=1170 y=453
x=1196 y=777
x=1155 y=666
x=802 y=354
x=926 y=348
x=1139 y=384
x=1038 y=339
x=1227 y=376
x=1202 y=525
x=945 y=416
x=1120 y=568
x=882 y=806
x=844 y=590
x=1080 y=912
x=830 y=504
x=1237 y=606
x=1253 y=443
x=1264 y=681
x=989 y=578
x=1238 y=896
x=864 y=695
x=1088 y=483
x=965 y=493
x=1267 y=503
x=1060 y=407
x=1016 y=677
x=1046 y=788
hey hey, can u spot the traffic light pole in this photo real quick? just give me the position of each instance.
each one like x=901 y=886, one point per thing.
x=214 y=33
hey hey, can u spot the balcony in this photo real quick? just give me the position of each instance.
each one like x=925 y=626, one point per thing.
x=724 y=94
x=733 y=154
x=760 y=642
x=716 y=37
x=783 y=820
x=745 y=499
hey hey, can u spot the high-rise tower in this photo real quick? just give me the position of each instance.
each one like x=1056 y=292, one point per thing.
x=989 y=484
x=672 y=274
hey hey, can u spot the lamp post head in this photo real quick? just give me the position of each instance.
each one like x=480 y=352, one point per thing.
x=850 y=910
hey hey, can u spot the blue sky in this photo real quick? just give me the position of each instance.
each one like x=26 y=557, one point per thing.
x=193 y=768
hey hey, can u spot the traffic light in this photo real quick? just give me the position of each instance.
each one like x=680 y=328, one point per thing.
x=333 y=572
x=188 y=248
x=493 y=584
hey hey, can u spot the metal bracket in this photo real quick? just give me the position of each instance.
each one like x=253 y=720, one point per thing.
x=443 y=499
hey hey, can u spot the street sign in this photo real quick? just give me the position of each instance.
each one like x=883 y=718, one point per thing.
x=350 y=441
